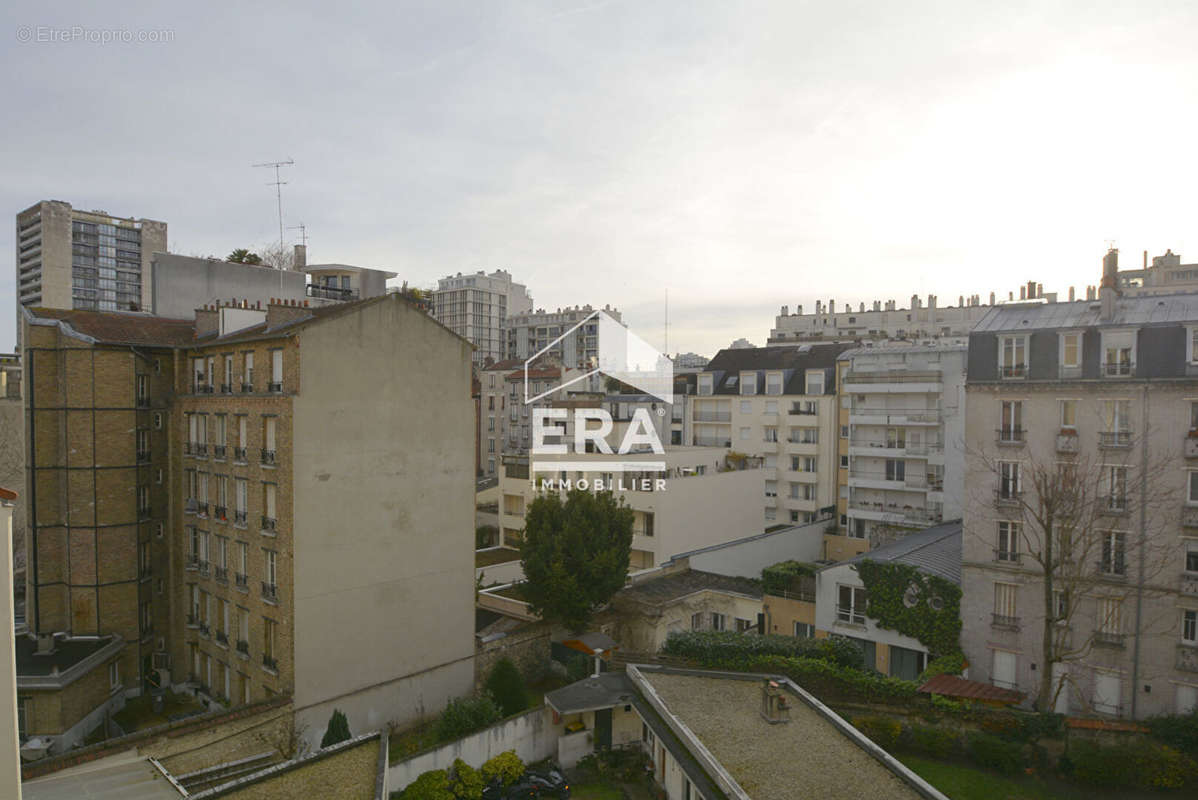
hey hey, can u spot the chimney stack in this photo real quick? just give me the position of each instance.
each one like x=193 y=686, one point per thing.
x=1071 y=297
x=992 y=298
x=1107 y=291
x=1022 y=292
x=301 y=257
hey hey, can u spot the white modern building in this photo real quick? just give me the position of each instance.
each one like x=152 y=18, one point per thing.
x=883 y=320
x=554 y=334
x=477 y=307
x=905 y=457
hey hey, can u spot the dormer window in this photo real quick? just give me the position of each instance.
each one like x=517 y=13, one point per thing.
x=748 y=383
x=1012 y=357
x=814 y=381
x=773 y=383
x=1118 y=353
x=1071 y=354
x=705 y=384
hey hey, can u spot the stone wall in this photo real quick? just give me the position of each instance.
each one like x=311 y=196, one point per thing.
x=351 y=770
x=527 y=647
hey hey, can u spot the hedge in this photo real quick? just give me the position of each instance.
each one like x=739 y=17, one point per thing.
x=882 y=731
x=994 y=753
x=717 y=648
x=1179 y=731
x=1137 y=764
x=786 y=576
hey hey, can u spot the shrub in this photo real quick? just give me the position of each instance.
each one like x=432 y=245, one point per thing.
x=1179 y=731
x=578 y=667
x=786 y=576
x=882 y=731
x=948 y=664
x=468 y=783
x=485 y=536
x=941 y=743
x=465 y=715
x=946 y=706
x=721 y=648
x=431 y=785
x=505 y=767
x=993 y=753
x=1137 y=764
x=506 y=685
x=337 y=731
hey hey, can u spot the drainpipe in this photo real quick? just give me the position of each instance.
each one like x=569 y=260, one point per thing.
x=1135 y=656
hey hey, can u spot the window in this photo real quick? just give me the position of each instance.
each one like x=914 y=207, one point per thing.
x=1187 y=699
x=1110 y=616
x=1008 y=542
x=243 y=558
x=705 y=384
x=242 y=495
x=815 y=381
x=276 y=370
x=697 y=622
x=1071 y=350
x=271 y=561
x=1004 y=604
x=1108 y=688
x=1008 y=480
x=771 y=434
x=1116 y=486
x=1003 y=671
x=771 y=406
x=1191 y=557
x=1194 y=413
x=745 y=625
x=844 y=431
x=896 y=470
x=1113 y=562
x=1193 y=484
x=804 y=630
x=719 y=622
x=844 y=462
x=1068 y=414
x=1118 y=353
x=227 y=384
x=850 y=606
x=268 y=638
x=247 y=376
x=1189 y=626
x=143 y=390
x=1060 y=605
x=748 y=383
x=269 y=491
x=648 y=518
x=1012 y=356
x=114 y=675
x=1011 y=421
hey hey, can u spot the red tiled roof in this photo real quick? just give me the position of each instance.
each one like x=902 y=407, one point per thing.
x=510 y=363
x=954 y=686
x=7 y=494
x=113 y=327
x=535 y=373
x=1104 y=725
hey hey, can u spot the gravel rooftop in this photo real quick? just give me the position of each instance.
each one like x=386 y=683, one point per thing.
x=806 y=757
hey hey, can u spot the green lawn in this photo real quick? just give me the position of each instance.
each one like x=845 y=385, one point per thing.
x=968 y=783
x=595 y=791
x=491 y=557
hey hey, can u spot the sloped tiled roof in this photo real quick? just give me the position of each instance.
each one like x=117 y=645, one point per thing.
x=673 y=587
x=936 y=551
x=120 y=327
x=793 y=361
x=954 y=686
x=1143 y=310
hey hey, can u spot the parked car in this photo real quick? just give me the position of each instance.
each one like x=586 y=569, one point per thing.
x=548 y=784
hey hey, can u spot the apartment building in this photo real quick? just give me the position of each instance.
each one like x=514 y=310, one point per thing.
x=778 y=404
x=704 y=498
x=672 y=422
x=478 y=306
x=901 y=442
x=220 y=455
x=1165 y=275
x=70 y=258
x=530 y=332
x=1088 y=410
x=883 y=320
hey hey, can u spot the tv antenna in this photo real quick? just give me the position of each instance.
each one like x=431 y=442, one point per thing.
x=279 y=183
x=303 y=233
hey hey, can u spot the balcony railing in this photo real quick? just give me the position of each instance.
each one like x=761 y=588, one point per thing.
x=274 y=387
x=1007 y=556
x=270 y=592
x=226 y=388
x=1067 y=442
x=239 y=518
x=247 y=387
x=242 y=581
x=1110 y=439
x=713 y=416
x=707 y=441
x=269 y=523
x=1112 y=568
x=188 y=449
x=199 y=448
x=1013 y=371
x=1114 y=504
x=1118 y=369
x=203 y=626
x=201 y=509
x=221 y=574
x=204 y=388
x=222 y=638
x=1107 y=639
x=1189 y=583
x=1011 y=436
x=218 y=451
x=850 y=615
x=243 y=647
x=143 y=456
x=270 y=662
x=193 y=562
x=804 y=411
x=268 y=456
x=1004 y=621
x=1008 y=496
x=239 y=454
x=331 y=292
x=203 y=566
x=221 y=513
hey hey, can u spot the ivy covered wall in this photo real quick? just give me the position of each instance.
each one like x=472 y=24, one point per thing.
x=915 y=604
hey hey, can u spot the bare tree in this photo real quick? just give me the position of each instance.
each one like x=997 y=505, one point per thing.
x=1092 y=527
x=277 y=255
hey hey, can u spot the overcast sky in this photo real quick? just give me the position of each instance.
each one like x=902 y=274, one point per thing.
x=743 y=156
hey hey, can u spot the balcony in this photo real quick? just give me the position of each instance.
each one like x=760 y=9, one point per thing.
x=220 y=513
x=243 y=647
x=226 y=388
x=143 y=456
x=1108 y=639
x=1004 y=622
x=882 y=415
x=268 y=458
x=887 y=479
x=222 y=638
x=239 y=454
x=239 y=519
x=707 y=441
x=204 y=388
x=188 y=449
x=203 y=567
x=895 y=514
x=331 y=292
x=1011 y=437
x=850 y=616
x=1067 y=442
x=1114 y=440
x=275 y=388
x=193 y=562
x=1008 y=497
x=270 y=592
x=218 y=451
x=247 y=387
x=199 y=449
x=242 y=581
x=804 y=411
x=1007 y=557
x=201 y=509
x=270 y=663
x=1118 y=369
x=1187 y=658
x=269 y=524
x=1013 y=371
x=221 y=574
x=713 y=416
